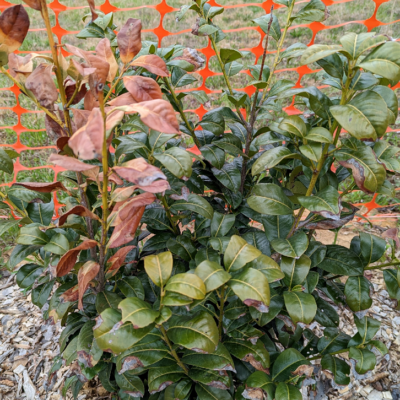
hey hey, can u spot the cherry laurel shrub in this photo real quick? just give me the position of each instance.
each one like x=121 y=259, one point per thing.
x=180 y=274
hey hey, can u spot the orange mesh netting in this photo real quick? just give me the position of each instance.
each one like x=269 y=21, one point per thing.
x=163 y=9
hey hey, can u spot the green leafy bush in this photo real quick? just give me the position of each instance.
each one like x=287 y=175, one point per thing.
x=181 y=274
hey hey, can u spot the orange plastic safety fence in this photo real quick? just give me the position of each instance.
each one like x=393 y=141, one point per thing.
x=164 y=9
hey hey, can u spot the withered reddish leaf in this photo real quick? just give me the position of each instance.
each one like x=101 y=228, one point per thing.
x=157 y=114
x=142 y=88
x=98 y=79
x=35 y=4
x=129 y=39
x=122 y=194
x=139 y=172
x=93 y=9
x=90 y=101
x=87 y=142
x=14 y=26
x=192 y=57
x=42 y=187
x=77 y=210
x=78 y=71
x=112 y=178
x=155 y=187
x=70 y=87
x=125 y=231
x=70 y=295
x=71 y=163
x=76 y=51
x=103 y=49
x=392 y=233
x=40 y=83
x=117 y=260
x=68 y=260
x=88 y=272
x=53 y=129
x=152 y=63
x=113 y=119
x=20 y=67
x=125 y=210
x=62 y=142
x=80 y=117
x=125 y=99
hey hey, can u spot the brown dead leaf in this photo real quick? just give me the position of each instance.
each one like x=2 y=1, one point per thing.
x=78 y=71
x=75 y=165
x=70 y=87
x=306 y=370
x=62 y=142
x=80 y=117
x=192 y=57
x=53 y=129
x=42 y=187
x=125 y=99
x=77 y=210
x=92 y=7
x=14 y=26
x=35 y=4
x=90 y=102
x=86 y=273
x=139 y=172
x=392 y=233
x=70 y=295
x=129 y=39
x=98 y=79
x=153 y=63
x=125 y=231
x=87 y=142
x=40 y=83
x=155 y=187
x=125 y=210
x=142 y=88
x=156 y=114
x=117 y=260
x=113 y=177
x=20 y=67
x=103 y=49
x=76 y=51
x=112 y=120
x=68 y=260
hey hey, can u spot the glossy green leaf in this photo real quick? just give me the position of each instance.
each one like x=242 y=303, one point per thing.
x=365 y=359
x=372 y=247
x=6 y=162
x=198 y=332
x=141 y=355
x=252 y=287
x=332 y=341
x=210 y=378
x=271 y=158
x=392 y=284
x=221 y=224
x=41 y=293
x=178 y=161
x=205 y=392
x=367 y=328
x=326 y=314
x=41 y=213
x=138 y=312
x=196 y=204
x=342 y=261
x=238 y=254
x=312 y=150
x=263 y=22
x=159 y=267
x=175 y=300
x=326 y=202
x=364 y=117
x=295 y=270
x=255 y=354
x=277 y=226
x=300 y=306
x=130 y=384
x=287 y=392
x=131 y=286
x=189 y=285
x=229 y=176
x=220 y=360
x=357 y=44
x=293 y=247
x=107 y=299
x=295 y=125
x=214 y=155
x=212 y=274
x=338 y=368
x=268 y=198
x=357 y=292
x=390 y=98
x=27 y=275
x=7 y=224
x=268 y=267
x=286 y=363
x=58 y=244
x=318 y=51
x=116 y=340
x=320 y=135
x=384 y=61
x=229 y=55
x=258 y=383
x=31 y=234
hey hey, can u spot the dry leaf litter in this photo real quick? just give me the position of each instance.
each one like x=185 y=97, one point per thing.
x=28 y=345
